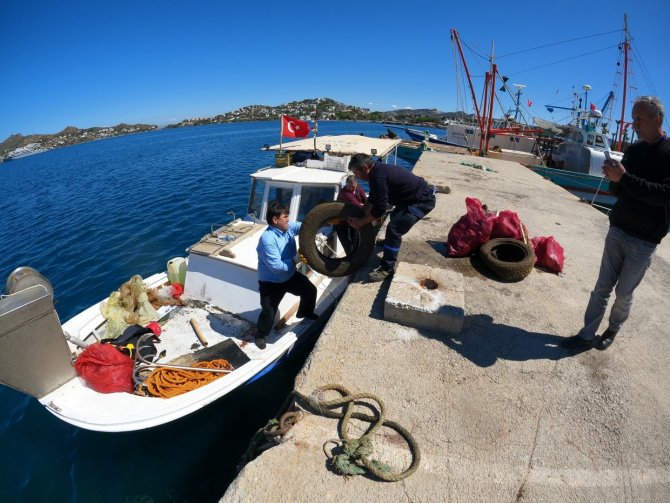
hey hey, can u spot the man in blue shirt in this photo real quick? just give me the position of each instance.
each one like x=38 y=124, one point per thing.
x=277 y=274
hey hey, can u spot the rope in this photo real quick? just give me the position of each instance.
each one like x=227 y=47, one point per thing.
x=355 y=452
x=166 y=382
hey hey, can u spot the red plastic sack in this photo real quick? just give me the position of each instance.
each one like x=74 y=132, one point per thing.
x=105 y=368
x=507 y=225
x=548 y=253
x=471 y=231
x=177 y=290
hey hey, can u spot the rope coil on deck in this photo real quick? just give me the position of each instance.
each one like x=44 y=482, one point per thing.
x=166 y=382
x=355 y=456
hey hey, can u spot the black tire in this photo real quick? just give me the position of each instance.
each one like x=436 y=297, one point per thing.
x=332 y=213
x=508 y=258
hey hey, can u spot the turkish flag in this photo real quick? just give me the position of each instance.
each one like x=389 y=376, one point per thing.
x=530 y=103
x=293 y=128
x=593 y=107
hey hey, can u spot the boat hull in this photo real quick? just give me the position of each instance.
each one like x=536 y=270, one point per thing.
x=589 y=187
x=78 y=404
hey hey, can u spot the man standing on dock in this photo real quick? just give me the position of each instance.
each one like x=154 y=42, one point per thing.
x=412 y=197
x=639 y=221
x=277 y=274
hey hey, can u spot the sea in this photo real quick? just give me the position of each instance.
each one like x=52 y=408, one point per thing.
x=90 y=216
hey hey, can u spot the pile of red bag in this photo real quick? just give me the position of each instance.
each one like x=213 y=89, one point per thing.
x=477 y=226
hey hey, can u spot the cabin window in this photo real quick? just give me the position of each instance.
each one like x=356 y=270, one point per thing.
x=469 y=131
x=281 y=195
x=599 y=141
x=256 y=199
x=312 y=195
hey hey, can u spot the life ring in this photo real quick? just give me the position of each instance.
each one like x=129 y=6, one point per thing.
x=510 y=259
x=320 y=256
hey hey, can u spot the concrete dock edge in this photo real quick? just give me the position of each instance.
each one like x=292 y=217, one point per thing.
x=500 y=409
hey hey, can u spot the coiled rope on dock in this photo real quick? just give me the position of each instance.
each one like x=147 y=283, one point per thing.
x=166 y=382
x=356 y=453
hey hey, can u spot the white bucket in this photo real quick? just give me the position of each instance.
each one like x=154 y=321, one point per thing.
x=176 y=270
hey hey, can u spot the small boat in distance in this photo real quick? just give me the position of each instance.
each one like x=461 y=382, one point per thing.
x=214 y=320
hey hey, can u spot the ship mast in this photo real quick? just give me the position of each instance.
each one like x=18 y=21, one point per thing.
x=626 y=44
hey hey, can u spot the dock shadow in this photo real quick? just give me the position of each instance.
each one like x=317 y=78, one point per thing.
x=483 y=342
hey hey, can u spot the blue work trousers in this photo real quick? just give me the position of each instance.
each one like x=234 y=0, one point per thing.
x=625 y=260
x=401 y=221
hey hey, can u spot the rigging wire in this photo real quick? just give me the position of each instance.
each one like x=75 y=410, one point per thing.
x=558 y=43
x=563 y=60
x=460 y=81
x=645 y=73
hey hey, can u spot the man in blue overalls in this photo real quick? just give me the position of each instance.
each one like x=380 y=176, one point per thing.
x=410 y=195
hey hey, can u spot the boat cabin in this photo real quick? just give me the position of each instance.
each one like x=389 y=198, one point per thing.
x=229 y=251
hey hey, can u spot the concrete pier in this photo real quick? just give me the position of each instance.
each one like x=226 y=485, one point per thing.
x=501 y=411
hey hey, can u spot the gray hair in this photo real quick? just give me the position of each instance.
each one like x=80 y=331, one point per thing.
x=653 y=105
x=350 y=179
x=358 y=161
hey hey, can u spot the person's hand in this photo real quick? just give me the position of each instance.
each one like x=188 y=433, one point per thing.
x=613 y=170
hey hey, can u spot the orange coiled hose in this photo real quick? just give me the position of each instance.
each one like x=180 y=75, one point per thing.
x=167 y=382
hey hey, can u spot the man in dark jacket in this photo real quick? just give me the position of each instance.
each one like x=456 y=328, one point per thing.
x=412 y=197
x=638 y=222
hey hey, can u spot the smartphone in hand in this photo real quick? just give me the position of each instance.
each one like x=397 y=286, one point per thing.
x=608 y=156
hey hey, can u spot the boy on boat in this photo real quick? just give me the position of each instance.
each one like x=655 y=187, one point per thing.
x=277 y=273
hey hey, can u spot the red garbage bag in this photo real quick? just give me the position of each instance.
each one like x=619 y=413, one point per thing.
x=105 y=368
x=177 y=290
x=471 y=231
x=548 y=253
x=507 y=225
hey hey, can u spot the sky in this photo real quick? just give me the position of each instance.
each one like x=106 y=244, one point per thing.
x=94 y=63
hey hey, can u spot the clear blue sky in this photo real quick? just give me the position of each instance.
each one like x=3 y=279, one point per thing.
x=93 y=63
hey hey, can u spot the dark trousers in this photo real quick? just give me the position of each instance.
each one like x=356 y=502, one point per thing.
x=401 y=221
x=273 y=293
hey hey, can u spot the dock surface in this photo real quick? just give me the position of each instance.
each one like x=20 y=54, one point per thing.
x=501 y=411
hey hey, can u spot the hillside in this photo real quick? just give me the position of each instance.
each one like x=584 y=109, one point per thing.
x=327 y=109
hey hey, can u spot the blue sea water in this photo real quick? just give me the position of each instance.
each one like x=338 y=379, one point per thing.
x=88 y=217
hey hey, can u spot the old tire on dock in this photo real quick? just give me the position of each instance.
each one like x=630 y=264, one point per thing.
x=508 y=258
x=319 y=256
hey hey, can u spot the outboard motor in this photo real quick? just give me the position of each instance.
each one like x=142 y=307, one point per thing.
x=34 y=355
x=24 y=277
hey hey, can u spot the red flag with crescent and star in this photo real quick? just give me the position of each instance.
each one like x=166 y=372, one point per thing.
x=293 y=128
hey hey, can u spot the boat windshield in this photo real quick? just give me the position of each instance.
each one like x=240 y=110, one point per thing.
x=276 y=194
x=311 y=195
x=256 y=199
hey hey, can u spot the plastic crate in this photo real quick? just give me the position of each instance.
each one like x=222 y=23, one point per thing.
x=283 y=159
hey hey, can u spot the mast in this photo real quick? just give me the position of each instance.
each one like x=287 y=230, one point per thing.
x=625 y=80
x=488 y=115
x=454 y=36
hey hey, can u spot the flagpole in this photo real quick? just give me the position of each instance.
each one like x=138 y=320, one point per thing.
x=281 y=131
x=316 y=127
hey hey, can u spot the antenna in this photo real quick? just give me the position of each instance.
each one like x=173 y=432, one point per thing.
x=519 y=88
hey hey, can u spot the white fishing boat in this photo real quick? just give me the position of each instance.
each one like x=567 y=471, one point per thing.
x=220 y=305
x=577 y=161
